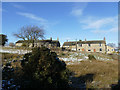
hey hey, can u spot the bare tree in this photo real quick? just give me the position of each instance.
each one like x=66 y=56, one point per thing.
x=30 y=34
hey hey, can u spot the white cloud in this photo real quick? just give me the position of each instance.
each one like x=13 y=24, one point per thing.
x=91 y=23
x=77 y=12
x=98 y=25
x=18 y=6
x=33 y=17
x=114 y=29
x=39 y=20
x=78 y=8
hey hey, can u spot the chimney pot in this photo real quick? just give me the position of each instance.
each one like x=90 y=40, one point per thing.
x=104 y=39
x=50 y=38
x=57 y=39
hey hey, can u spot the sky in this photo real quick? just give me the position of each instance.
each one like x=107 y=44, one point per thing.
x=66 y=20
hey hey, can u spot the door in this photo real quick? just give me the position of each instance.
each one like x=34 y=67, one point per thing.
x=94 y=50
x=82 y=49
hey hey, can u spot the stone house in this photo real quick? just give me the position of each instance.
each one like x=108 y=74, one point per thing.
x=47 y=43
x=89 y=46
x=110 y=49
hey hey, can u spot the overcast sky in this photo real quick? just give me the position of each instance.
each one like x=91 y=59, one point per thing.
x=68 y=21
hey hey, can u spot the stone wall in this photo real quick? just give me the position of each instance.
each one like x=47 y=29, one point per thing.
x=92 y=48
x=110 y=49
x=46 y=44
x=18 y=44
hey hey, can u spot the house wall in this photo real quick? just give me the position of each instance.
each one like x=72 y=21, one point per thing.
x=110 y=49
x=85 y=47
x=18 y=44
x=30 y=44
x=73 y=47
x=48 y=45
x=92 y=48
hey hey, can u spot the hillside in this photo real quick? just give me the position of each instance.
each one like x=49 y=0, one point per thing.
x=99 y=73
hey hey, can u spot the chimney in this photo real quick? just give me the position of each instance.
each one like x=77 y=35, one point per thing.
x=104 y=39
x=57 y=39
x=50 y=38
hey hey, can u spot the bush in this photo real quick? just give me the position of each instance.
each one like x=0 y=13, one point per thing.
x=7 y=72
x=42 y=69
x=91 y=57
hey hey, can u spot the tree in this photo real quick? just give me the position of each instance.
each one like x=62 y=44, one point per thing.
x=30 y=33
x=3 y=39
x=42 y=69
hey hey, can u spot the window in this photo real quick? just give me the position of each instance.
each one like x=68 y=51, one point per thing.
x=79 y=49
x=89 y=45
x=100 y=49
x=89 y=50
x=80 y=45
x=100 y=44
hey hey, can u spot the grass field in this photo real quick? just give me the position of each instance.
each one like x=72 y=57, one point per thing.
x=86 y=73
x=100 y=73
x=95 y=74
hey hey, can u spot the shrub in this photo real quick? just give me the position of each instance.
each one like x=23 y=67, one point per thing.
x=43 y=69
x=7 y=72
x=91 y=57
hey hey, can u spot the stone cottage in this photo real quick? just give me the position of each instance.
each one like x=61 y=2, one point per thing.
x=89 y=46
x=47 y=43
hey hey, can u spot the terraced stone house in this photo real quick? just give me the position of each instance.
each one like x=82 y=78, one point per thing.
x=47 y=43
x=89 y=46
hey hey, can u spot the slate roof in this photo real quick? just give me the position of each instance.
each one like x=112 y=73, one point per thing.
x=52 y=41
x=83 y=42
x=43 y=41
x=21 y=41
x=69 y=43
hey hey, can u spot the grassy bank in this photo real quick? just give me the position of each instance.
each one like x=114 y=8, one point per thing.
x=7 y=57
x=99 y=73
x=95 y=74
